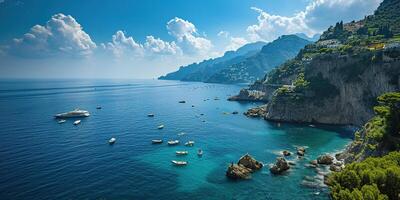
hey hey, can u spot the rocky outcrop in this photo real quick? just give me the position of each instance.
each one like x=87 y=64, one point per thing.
x=301 y=151
x=256 y=112
x=243 y=169
x=280 y=166
x=286 y=153
x=325 y=160
x=236 y=171
x=349 y=84
x=257 y=92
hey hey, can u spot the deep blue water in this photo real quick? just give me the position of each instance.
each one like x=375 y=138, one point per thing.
x=41 y=159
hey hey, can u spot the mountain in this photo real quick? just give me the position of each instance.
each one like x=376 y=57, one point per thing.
x=271 y=55
x=314 y=38
x=201 y=71
x=245 y=65
x=337 y=79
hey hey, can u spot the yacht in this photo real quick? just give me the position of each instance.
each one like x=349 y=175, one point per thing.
x=181 y=153
x=200 y=152
x=157 y=141
x=179 y=163
x=150 y=115
x=173 y=142
x=112 y=141
x=77 y=122
x=75 y=113
x=160 y=127
x=189 y=143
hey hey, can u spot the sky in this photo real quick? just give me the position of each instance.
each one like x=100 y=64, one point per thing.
x=148 y=38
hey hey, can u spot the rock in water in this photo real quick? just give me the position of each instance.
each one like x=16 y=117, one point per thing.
x=286 y=153
x=243 y=169
x=249 y=162
x=280 y=166
x=325 y=160
x=301 y=151
x=236 y=171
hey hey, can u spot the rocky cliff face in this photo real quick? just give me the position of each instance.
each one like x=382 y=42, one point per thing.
x=343 y=89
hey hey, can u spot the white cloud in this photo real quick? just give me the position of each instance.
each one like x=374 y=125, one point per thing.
x=187 y=37
x=224 y=34
x=316 y=17
x=235 y=43
x=120 y=45
x=62 y=35
x=158 y=46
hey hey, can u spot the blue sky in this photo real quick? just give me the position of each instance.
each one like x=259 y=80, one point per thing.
x=147 y=38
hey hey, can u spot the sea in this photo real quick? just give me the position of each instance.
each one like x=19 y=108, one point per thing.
x=42 y=159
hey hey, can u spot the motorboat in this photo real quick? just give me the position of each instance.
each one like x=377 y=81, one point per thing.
x=150 y=115
x=312 y=125
x=98 y=107
x=160 y=127
x=112 y=141
x=157 y=141
x=77 y=122
x=200 y=152
x=173 y=142
x=181 y=153
x=62 y=121
x=182 y=101
x=181 y=133
x=73 y=114
x=179 y=163
x=189 y=143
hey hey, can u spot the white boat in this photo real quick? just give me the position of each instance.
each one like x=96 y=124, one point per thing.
x=77 y=122
x=189 y=143
x=160 y=127
x=112 y=141
x=157 y=141
x=199 y=152
x=62 y=121
x=73 y=114
x=173 y=142
x=312 y=125
x=181 y=153
x=181 y=133
x=150 y=115
x=179 y=163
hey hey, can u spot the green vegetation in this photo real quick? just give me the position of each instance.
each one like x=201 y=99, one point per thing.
x=374 y=178
x=371 y=179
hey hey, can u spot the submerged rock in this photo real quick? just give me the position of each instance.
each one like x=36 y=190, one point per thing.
x=325 y=160
x=301 y=151
x=280 y=166
x=243 y=169
x=286 y=153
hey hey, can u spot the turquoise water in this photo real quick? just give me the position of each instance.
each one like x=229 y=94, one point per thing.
x=41 y=159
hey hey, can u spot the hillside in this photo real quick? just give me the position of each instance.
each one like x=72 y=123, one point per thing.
x=201 y=71
x=337 y=79
x=241 y=67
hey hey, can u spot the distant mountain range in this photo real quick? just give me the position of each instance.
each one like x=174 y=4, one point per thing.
x=245 y=65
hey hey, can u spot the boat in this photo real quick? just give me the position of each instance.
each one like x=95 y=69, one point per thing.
x=182 y=101
x=73 y=114
x=179 y=163
x=312 y=125
x=77 y=122
x=98 y=107
x=112 y=141
x=235 y=112
x=181 y=153
x=62 y=121
x=150 y=115
x=173 y=142
x=157 y=141
x=181 y=133
x=189 y=143
x=200 y=152
x=160 y=127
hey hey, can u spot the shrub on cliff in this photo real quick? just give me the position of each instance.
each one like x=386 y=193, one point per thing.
x=373 y=178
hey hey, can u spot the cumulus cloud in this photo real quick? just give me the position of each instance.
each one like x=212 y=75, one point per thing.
x=316 y=17
x=62 y=34
x=120 y=45
x=235 y=43
x=158 y=46
x=187 y=36
x=224 y=34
